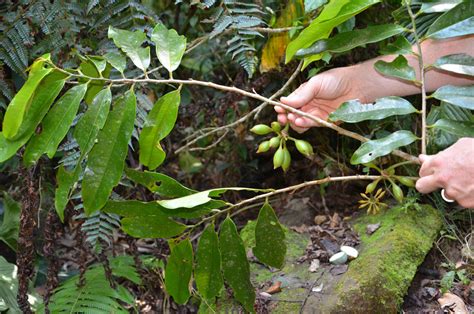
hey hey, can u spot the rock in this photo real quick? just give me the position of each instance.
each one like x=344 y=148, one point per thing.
x=338 y=258
x=339 y=270
x=371 y=228
x=314 y=265
x=378 y=279
x=320 y=219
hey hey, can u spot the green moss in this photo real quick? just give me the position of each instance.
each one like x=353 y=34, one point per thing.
x=379 y=278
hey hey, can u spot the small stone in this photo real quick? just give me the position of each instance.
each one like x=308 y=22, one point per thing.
x=350 y=251
x=318 y=288
x=338 y=258
x=320 y=219
x=266 y=295
x=315 y=263
x=338 y=270
x=371 y=228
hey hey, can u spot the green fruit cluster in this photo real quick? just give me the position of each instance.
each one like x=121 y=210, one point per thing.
x=282 y=156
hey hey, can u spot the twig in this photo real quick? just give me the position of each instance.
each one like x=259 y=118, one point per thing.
x=194 y=149
x=236 y=90
x=422 y=74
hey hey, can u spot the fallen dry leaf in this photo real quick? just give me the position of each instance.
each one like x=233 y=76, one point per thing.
x=452 y=303
x=320 y=219
x=275 y=288
x=335 y=221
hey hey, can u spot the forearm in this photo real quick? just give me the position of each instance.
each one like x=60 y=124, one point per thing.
x=375 y=85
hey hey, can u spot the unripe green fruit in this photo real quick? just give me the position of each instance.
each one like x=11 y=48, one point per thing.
x=278 y=158
x=304 y=147
x=390 y=171
x=276 y=126
x=397 y=193
x=286 y=160
x=371 y=187
x=263 y=147
x=275 y=142
x=261 y=129
x=406 y=181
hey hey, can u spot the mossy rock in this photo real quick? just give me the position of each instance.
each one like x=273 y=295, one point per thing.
x=378 y=279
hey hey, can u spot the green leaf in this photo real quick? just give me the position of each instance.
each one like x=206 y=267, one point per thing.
x=178 y=271
x=208 y=274
x=346 y=41
x=159 y=183
x=436 y=6
x=170 y=46
x=398 y=68
x=93 y=121
x=158 y=124
x=458 y=128
x=11 y=221
x=47 y=91
x=131 y=44
x=55 y=125
x=270 y=246
x=20 y=103
x=117 y=60
x=462 y=96
x=106 y=159
x=370 y=150
x=334 y=13
x=235 y=264
x=92 y=67
x=65 y=181
x=456 y=22
x=144 y=220
x=457 y=63
x=354 y=111
x=400 y=46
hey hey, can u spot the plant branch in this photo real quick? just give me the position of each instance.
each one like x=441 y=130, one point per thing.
x=419 y=56
x=233 y=89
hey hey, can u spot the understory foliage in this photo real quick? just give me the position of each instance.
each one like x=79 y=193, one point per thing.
x=95 y=115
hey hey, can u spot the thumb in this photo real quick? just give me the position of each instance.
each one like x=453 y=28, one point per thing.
x=301 y=96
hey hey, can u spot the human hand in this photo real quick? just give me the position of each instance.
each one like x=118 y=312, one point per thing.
x=451 y=169
x=320 y=96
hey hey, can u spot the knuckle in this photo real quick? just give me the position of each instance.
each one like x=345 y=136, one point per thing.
x=443 y=178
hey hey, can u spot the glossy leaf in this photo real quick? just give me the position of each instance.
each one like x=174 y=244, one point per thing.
x=439 y=5
x=400 y=46
x=93 y=121
x=9 y=227
x=334 y=13
x=178 y=271
x=158 y=124
x=106 y=159
x=270 y=246
x=235 y=264
x=208 y=274
x=458 y=128
x=47 y=91
x=117 y=60
x=398 y=68
x=170 y=46
x=462 y=96
x=457 y=63
x=346 y=41
x=158 y=183
x=131 y=44
x=373 y=149
x=55 y=125
x=20 y=103
x=144 y=220
x=456 y=22
x=65 y=181
x=354 y=111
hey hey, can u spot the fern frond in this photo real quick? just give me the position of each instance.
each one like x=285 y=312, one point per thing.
x=99 y=226
x=96 y=295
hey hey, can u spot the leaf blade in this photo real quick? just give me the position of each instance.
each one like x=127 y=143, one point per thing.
x=178 y=271
x=398 y=68
x=130 y=43
x=170 y=46
x=370 y=150
x=456 y=63
x=461 y=96
x=456 y=22
x=106 y=159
